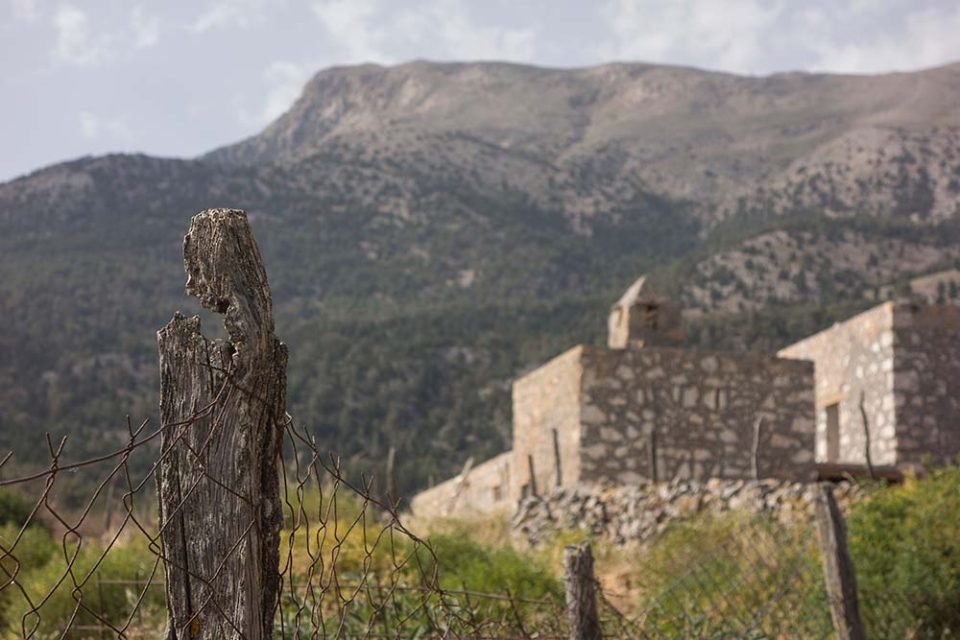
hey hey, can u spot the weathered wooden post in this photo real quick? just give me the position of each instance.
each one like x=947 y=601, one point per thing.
x=222 y=405
x=757 y=428
x=391 y=490
x=866 y=435
x=838 y=570
x=581 y=592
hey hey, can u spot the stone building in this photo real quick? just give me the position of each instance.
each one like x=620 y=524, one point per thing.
x=646 y=408
x=643 y=408
x=890 y=374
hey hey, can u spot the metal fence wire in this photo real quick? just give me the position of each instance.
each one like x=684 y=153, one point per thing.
x=349 y=568
x=759 y=580
x=348 y=565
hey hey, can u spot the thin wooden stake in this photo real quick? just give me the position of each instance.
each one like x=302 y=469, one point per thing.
x=838 y=572
x=757 y=427
x=533 y=475
x=556 y=458
x=391 y=475
x=652 y=453
x=866 y=435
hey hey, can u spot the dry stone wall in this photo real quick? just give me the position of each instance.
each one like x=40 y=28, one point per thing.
x=926 y=383
x=854 y=359
x=546 y=425
x=903 y=361
x=666 y=413
x=639 y=513
x=485 y=489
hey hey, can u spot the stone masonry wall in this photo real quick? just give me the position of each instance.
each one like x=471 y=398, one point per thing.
x=854 y=357
x=486 y=489
x=701 y=407
x=640 y=513
x=546 y=405
x=926 y=382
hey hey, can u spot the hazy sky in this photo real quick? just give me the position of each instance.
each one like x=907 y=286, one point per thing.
x=177 y=78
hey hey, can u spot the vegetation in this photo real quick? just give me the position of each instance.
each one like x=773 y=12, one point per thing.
x=412 y=283
x=905 y=543
x=706 y=577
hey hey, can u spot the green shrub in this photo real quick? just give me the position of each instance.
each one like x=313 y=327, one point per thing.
x=465 y=564
x=32 y=550
x=905 y=544
x=729 y=575
x=73 y=605
x=14 y=508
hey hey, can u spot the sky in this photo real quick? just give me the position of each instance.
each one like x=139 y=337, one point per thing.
x=178 y=78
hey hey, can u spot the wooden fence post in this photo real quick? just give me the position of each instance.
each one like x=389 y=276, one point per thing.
x=866 y=435
x=581 y=591
x=652 y=454
x=557 y=464
x=757 y=428
x=838 y=570
x=222 y=407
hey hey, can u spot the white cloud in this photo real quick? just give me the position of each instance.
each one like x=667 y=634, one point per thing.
x=286 y=81
x=227 y=13
x=365 y=31
x=75 y=44
x=446 y=26
x=720 y=34
x=350 y=24
x=93 y=127
x=929 y=37
x=24 y=10
x=146 y=29
x=755 y=36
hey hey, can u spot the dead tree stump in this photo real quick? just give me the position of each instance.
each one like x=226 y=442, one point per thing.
x=581 y=592
x=222 y=405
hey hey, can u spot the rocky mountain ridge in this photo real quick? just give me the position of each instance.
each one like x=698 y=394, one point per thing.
x=432 y=230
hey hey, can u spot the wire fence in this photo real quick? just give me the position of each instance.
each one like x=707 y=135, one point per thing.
x=760 y=580
x=349 y=568
x=348 y=565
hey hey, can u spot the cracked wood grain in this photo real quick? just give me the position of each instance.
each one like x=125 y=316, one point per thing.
x=222 y=404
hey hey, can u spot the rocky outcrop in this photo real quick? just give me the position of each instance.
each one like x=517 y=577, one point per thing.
x=638 y=513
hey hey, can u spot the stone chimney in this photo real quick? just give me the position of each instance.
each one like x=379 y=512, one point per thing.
x=642 y=317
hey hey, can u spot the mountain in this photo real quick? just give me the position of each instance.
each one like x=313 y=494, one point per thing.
x=432 y=230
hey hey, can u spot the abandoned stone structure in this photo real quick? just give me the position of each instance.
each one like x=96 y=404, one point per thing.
x=643 y=409
x=890 y=374
x=648 y=409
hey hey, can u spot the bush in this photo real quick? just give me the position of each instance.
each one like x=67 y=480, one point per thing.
x=32 y=550
x=728 y=575
x=69 y=605
x=905 y=544
x=466 y=564
x=14 y=508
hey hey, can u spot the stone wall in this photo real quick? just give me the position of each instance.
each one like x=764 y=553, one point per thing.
x=639 y=513
x=854 y=358
x=546 y=425
x=903 y=360
x=926 y=383
x=487 y=488
x=697 y=411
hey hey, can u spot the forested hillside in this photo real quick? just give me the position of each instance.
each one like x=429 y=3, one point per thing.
x=432 y=230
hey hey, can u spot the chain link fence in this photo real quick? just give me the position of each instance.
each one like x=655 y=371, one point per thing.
x=350 y=568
